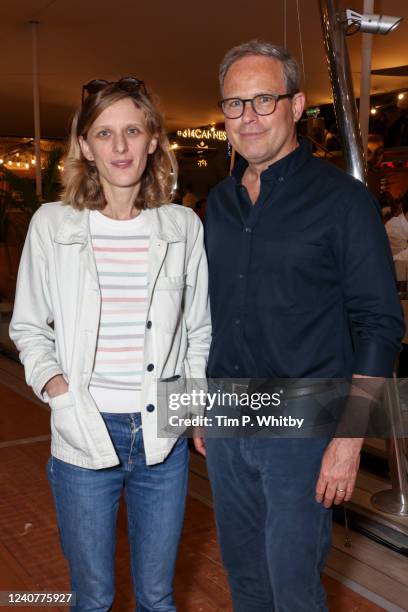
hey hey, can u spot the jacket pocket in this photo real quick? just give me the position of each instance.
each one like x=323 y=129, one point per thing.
x=64 y=421
x=167 y=302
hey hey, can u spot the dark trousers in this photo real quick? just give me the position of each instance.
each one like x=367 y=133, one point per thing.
x=274 y=536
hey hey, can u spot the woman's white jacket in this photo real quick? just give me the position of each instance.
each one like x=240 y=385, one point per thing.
x=56 y=317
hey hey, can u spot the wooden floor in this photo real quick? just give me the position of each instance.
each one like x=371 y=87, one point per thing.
x=30 y=555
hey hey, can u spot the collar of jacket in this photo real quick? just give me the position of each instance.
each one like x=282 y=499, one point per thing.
x=74 y=228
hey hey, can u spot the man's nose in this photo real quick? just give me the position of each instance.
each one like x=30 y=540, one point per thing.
x=249 y=114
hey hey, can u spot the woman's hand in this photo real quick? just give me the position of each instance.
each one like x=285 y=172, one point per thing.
x=56 y=386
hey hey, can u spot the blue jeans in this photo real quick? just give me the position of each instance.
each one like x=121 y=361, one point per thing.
x=87 y=503
x=274 y=536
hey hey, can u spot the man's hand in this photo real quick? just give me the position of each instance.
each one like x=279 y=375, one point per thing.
x=338 y=472
x=198 y=440
x=56 y=386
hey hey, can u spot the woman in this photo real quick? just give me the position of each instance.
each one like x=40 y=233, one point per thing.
x=112 y=297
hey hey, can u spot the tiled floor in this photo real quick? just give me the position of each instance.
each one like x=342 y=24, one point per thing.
x=30 y=556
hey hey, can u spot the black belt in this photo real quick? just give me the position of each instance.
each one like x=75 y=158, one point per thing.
x=284 y=390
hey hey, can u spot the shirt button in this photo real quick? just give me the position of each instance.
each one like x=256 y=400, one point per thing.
x=247 y=230
x=150 y=367
x=150 y=408
x=237 y=321
x=236 y=367
x=148 y=324
x=241 y=276
x=281 y=179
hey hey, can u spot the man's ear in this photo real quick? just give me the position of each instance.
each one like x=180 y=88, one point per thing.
x=153 y=144
x=85 y=148
x=298 y=105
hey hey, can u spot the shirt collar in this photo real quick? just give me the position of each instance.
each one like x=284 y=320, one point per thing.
x=403 y=221
x=75 y=225
x=281 y=168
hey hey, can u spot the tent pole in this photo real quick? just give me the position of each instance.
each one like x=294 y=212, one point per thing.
x=365 y=82
x=342 y=87
x=36 y=102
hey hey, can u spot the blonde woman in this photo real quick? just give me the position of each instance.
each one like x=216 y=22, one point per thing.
x=111 y=297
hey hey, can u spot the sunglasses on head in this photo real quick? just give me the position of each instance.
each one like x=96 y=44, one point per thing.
x=129 y=84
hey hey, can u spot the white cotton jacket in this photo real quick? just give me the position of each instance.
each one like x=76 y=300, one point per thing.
x=56 y=318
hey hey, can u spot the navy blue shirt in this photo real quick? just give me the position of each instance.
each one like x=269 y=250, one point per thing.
x=302 y=282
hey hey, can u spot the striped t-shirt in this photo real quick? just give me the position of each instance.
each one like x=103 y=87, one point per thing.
x=120 y=249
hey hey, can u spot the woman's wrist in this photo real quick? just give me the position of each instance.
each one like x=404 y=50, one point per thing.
x=56 y=386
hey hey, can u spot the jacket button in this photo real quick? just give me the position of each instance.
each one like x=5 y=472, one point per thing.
x=149 y=324
x=150 y=367
x=150 y=408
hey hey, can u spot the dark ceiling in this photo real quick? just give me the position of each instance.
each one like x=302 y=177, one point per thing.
x=174 y=46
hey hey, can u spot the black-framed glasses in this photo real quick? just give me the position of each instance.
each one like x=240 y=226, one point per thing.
x=262 y=104
x=130 y=84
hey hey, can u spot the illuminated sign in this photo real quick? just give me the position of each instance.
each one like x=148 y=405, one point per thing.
x=206 y=134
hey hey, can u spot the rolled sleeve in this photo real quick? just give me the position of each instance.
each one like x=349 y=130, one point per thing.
x=370 y=292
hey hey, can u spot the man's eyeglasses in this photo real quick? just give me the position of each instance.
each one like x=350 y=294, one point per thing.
x=262 y=104
x=129 y=84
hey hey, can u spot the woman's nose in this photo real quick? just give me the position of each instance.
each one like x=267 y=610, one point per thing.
x=120 y=143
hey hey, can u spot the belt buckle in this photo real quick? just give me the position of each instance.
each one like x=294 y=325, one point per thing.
x=239 y=388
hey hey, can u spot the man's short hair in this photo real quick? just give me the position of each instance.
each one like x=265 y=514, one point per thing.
x=258 y=47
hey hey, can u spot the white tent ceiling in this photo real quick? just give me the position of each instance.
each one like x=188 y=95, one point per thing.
x=174 y=46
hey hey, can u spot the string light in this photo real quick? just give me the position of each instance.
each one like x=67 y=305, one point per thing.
x=373 y=111
x=1 y=161
x=401 y=96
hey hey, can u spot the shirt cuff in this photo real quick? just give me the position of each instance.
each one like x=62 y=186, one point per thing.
x=42 y=380
x=375 y=359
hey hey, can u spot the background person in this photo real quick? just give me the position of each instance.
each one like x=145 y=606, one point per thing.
x=189 y=198
x=397 y=228
x=199 y=208
x=111 y=296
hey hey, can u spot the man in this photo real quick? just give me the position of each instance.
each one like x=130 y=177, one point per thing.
x=301 y=286
x=397 y=229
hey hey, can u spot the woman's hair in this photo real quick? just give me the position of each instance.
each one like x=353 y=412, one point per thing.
x=82 y=187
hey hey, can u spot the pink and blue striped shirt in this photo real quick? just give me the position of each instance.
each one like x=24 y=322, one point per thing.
x=120 y=249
